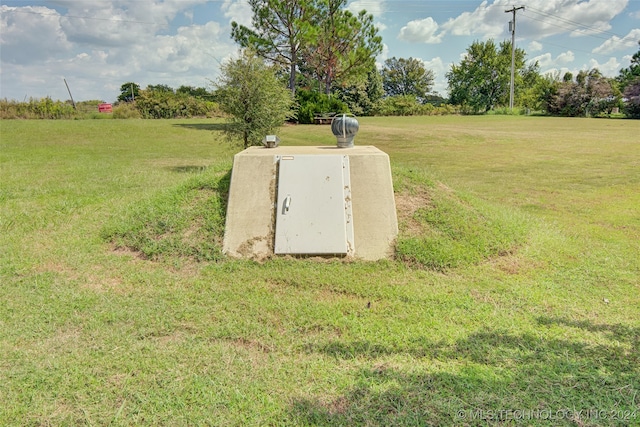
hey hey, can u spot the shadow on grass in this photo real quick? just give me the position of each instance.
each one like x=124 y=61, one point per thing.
x=471 y=380
x=224 y=184
x=212 y=127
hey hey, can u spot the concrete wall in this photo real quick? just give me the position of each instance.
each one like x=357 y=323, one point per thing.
x=250 y=222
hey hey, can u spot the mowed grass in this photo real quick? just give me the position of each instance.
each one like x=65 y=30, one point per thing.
x=514 y=298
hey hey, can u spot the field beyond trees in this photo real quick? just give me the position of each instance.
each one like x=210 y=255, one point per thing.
x=514 y=296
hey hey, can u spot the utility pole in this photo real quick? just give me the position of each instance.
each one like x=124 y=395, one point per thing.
x=71 y=96
x=512 y=27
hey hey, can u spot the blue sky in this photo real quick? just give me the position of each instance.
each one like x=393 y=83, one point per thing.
x=96 y=45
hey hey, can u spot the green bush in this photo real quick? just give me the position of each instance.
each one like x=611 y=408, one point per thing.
x=408 y=105
x=311 y=103
x=125 y=110
x=398 y=105
x=43 y=108
x=161 y=104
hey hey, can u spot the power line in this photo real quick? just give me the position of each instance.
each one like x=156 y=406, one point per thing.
x=618 y=41
x=573 y=25
x=562 y=27
x=32 y=12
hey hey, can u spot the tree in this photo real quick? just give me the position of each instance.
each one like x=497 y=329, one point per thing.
x=400 y=105
x=406 y=77
x=340 y=45
x=160 y=88
x=164 y=104
x=128 y=92
x=253 y=97
x=632 y=73
x=588 y=95
x=311 y=103
x=629 y=82
x=529 y=85
x=481 y=81
x=280 y=30
x=362 y=94
x=196 y=92
x=632 y=99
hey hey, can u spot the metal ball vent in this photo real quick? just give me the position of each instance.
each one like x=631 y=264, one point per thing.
x=345 y=127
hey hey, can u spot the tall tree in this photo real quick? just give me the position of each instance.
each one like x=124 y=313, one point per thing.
x=362 y=94
x=340 y=45
x=632 y=72
x=406 y=77
x=255 y=100
x=196 y=92
x=632 y=97
x=528 y=84
x=128 y=92
x=280 y=30
x=481 y=81
x=160 y=88
x=629 y=82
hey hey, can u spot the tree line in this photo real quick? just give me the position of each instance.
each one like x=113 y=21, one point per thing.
x=327 y=56
x=323 y=56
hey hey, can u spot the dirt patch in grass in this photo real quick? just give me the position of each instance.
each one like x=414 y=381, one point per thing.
x=127 y=252
x=251 y=345
x=58 y=268
x=407 y=203
x=513 y=263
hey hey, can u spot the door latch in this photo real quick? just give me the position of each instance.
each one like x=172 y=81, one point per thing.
x=287 y=204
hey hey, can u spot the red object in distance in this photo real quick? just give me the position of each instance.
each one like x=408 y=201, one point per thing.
x=104 y=108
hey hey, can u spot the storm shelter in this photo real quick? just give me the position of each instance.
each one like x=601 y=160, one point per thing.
x=311 y=201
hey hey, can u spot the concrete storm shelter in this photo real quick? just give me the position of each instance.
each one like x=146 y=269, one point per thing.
x=306 y=201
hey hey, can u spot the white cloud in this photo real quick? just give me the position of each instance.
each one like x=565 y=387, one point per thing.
x=421 y=31
x=119 y=22
x=539 y=19
x=238 y=11
x=626 y=61
x=41 y=46
x=373 y=7
x=577 y=18
x=535 y=46
x=565 y=57
x=31 y=34
x=594 y=15
x=546 y=61
x=487 y=20
x=383 y=56
x=616 y=43
x=192 y=48
x=609 y=68
x=439 y=69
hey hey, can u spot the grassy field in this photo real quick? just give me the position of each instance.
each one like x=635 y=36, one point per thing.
x=514 y=298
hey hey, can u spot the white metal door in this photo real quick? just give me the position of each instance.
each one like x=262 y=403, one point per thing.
x=313 y=212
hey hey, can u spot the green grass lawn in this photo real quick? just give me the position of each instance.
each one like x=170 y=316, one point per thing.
x=514 y=297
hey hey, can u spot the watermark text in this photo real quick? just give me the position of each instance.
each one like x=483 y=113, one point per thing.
x=547 y=414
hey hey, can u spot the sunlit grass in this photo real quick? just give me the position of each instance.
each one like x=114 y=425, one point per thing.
x=519 y=290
